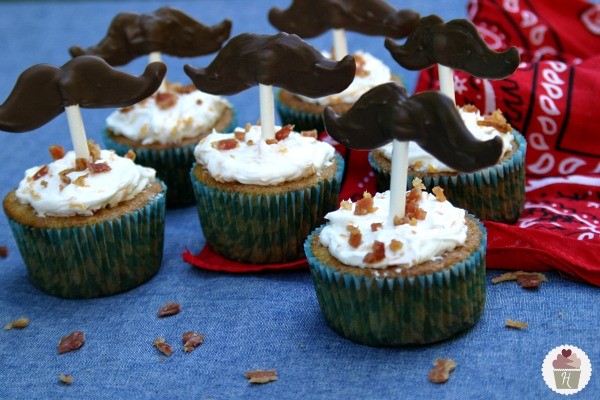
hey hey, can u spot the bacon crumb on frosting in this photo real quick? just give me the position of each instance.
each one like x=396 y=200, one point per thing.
x=497 y=121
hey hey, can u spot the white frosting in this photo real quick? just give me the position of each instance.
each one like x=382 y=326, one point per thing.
x=106 y=189
x=442 y=230
x=377 y=73
x=484 y=133
x=192 y=114
x=264 y=164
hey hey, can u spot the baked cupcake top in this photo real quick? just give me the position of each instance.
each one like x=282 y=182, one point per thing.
x=69 y=186
x=168 y=116
x=370 y=72
x=243 y=157
x=359 y=234
x=481 y=127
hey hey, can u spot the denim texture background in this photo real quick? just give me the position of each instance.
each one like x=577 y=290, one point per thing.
x=257 y=321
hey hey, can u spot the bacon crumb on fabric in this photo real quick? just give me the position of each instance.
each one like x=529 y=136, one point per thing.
x=261 y=376
x=441 y=370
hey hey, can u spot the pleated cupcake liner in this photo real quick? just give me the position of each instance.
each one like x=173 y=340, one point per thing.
x=95 y=260
x=496 y=193
x=302 y=120
x=386 y=312
x=264 y=228
x=172 y=166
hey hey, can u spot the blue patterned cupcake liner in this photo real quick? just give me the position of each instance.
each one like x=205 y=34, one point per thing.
x=95 y=260
x=401 y=311
x=172 y=165
x=496 y=193
x=266 y=228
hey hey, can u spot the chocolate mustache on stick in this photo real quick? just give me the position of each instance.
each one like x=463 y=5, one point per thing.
x=385 y=113
x=167 y=30
x=43 y=91
x=455 y=44
x=281 y=60
x=310 y=18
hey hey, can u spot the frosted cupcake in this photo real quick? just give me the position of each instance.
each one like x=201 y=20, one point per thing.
x=494 y=193
x=163 y=130
x=258 y=200
x=88 y=229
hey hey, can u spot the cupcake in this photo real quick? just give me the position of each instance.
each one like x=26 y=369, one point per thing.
x=163 y=130
x=88 y=228
x=305 y=113
x=567 y=370
x=259 y=199
x=416 y=280
x=494 y=193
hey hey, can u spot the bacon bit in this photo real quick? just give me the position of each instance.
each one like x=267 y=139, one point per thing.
x=377 y=253
x=366 y=195
x=497 y=121
x=41 y=172
x=375 y=226
x=81 y=164
x=125 y=110
x=470 y=108
x=412 y=222
x=412 y=205
x=439 y=193
x=63 y=175
x=360 y=66
x=130 y=155
x=271 y=141
x=248 y=127
x=261 y=376
x=399 y=221
x=528 y=281
x=61 y=187
x=510 y=323
x=418 y=184
x=355 y=236
x=417 y=164
x=72 y=341
x=313 y=134
x=170 y=308
x=3 y=251
x=225 y=144
x=431 y=169
x=396 y=245
x=364 y=206
x=44 y=183
x=258 y=123
x=192 y=340
x=94 y=150
x=99 y=167
x=162 y=346
x=346 y=205
x=80 y=181
x=66 y=379
x=284 y=132
x=512 y=276
x=441 y=370
x=56 y=151
x=165 y=100
x=184 y=89
x=17 y=324
x=239 y=135
x=250 y=143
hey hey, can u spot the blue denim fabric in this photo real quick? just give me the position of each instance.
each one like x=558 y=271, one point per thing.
x=257 y=321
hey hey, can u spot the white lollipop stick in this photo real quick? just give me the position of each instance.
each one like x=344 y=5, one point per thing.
x=340 y=44
x=77 y=132
x=398 y=180
x=267 y=112
x=156 y=56
x=446 y=81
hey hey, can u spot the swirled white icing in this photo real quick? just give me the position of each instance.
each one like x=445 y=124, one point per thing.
x=255 y=162
x=50 y=196
x=443 y=229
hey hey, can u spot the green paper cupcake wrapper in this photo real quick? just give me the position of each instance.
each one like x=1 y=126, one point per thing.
x=172 y=166
x=95 y=260
x=401 y=311
x=302 y=120
x=264 y=229
x=496 y=193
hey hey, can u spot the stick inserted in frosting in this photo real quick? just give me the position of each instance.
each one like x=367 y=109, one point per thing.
x=455 y=44
x=43 y=91
x=280 y=60
x=165 y=30
x=310 y=18
x=430 y=119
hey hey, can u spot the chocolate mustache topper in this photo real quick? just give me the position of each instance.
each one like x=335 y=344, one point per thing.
x=386 y=112
x=167 y=30
x=43 y=91
x=455 y=44
x=281 y=60
x=310 y=18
